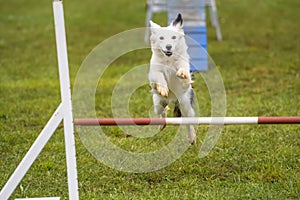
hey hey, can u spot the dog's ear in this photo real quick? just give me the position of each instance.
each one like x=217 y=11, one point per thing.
x=154 y=25
x=178 y=22
x=153 y=28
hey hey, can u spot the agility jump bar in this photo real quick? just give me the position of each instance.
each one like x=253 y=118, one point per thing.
x=185 y=121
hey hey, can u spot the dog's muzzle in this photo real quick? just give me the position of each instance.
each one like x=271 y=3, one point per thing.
x=168 y=52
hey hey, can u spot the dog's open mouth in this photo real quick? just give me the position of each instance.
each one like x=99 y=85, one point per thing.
x=168 y=53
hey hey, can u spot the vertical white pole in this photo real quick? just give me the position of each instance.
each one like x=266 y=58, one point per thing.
x=63 y=67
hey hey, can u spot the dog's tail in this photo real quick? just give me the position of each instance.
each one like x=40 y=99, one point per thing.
x=192 y=97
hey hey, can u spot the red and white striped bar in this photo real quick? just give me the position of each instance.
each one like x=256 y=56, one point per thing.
x=185 y=121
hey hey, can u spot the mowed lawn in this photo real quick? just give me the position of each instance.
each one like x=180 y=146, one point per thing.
x=259 y=61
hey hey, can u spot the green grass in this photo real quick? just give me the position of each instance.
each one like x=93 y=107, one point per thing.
x=259 y=63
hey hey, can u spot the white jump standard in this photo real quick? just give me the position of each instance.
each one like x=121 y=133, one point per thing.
x=62 y=113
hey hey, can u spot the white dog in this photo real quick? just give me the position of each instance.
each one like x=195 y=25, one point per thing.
x=169 y=73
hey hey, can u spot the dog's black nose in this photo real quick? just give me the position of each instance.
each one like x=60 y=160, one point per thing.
x=169 y=47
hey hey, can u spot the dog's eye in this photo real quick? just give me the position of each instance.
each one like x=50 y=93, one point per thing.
x=161 y=38
x=173 y=37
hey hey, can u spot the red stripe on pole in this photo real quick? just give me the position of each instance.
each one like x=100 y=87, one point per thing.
x=279 y=120
x=119 y=121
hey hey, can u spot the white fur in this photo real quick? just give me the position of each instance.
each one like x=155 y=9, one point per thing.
x=169 y=73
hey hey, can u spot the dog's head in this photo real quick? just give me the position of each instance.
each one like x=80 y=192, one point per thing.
x=167 y=39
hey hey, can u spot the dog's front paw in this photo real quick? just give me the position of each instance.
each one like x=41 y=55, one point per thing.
x=163 y=91
x=183 y=74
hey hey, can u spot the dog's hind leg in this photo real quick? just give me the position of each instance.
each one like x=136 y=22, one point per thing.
x=187 y=110
x=160 y=108
x=192 y=133
x=192 y=137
